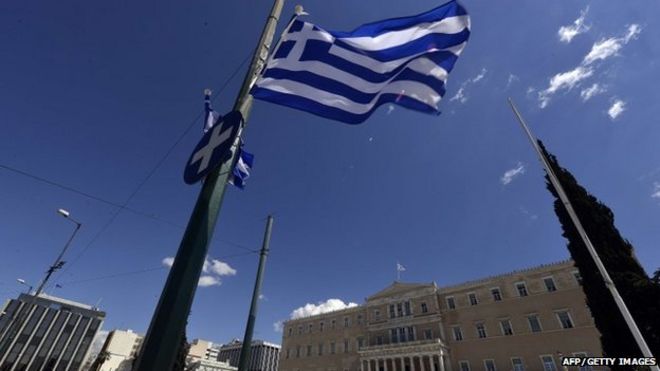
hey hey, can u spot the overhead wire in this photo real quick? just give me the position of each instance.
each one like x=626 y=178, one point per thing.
x=150 y=174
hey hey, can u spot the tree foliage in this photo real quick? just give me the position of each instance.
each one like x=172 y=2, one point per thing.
x=640 y=293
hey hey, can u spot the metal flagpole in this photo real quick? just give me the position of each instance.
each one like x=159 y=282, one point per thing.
x=587 y=242
x=168 y=324
x=246 y=348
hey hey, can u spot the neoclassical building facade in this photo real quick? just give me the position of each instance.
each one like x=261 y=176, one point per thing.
x=523 y=320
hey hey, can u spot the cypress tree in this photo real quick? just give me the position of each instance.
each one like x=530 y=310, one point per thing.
x=640 y=293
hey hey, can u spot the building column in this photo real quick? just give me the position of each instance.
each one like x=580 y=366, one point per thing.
x=368 y=364
x=441 y=361
x=412 y=363
x=385 y=364
x=421 y=362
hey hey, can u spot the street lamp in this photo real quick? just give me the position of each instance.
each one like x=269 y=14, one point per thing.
x=59 y=262
x=22 y=282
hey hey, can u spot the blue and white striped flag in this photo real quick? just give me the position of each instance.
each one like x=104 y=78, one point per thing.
x=345 y=76
x=211 y=117
x=242 y=169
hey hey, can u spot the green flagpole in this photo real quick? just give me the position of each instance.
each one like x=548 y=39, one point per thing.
x=246 y=348
x=168 y=324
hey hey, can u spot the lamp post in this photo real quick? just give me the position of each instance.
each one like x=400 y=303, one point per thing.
x=59 y=262
x=22 y=282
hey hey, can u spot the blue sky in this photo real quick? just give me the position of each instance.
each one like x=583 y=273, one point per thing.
x=92 y=96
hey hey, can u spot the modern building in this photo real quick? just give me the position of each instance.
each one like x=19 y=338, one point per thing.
x=523 y=320
x=45 y=332
x=202 y=350
x=120 y=350
x=210 y=365
x=264 y=356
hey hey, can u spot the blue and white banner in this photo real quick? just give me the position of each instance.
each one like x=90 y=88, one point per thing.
x=242 y=169
x=211 y=117
x=345 y=76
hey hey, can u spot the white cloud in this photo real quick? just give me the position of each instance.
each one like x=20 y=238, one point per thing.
x=390 y=108
x=616 y=109
x=600 y=50
x=511 y=174
x=262 y=297
x=460 y=94
x=278 y=326
x=512 y=78
x=656 y=190
x=221 y=268
x=479 y=76
x=206 y=281
x=168 y=261
x=591 y=91
x=567 y=33
x=329 y=305
x=565 y=80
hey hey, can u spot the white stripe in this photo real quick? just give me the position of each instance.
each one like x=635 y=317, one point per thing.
x=412 y=89
x=422 y=65
x=451 y=25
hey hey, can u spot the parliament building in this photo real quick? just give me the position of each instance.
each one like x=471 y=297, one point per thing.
x=523 y=320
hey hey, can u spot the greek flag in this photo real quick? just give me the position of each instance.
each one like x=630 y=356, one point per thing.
x=346 y=76
x=211 y=117
x=241 y=171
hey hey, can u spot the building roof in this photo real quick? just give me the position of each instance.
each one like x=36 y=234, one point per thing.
x=398 y=288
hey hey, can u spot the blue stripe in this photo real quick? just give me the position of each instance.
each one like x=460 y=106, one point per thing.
x=421 y=45
x=308 y=105
x=339 y=88
x=316 y=50
x=449 y=9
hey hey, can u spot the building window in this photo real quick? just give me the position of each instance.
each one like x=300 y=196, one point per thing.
x=458 y=334
x=290 y=331
x=309 y=328
x=379 y=340
x=534 y=323
x=320 y=349
x=347 y=322
x=550 y=284
x=565 y=319
x=359 y=319
x=425 y=308
x=497 y=295
x=360 y=342
x=288 y=353
x=548 y=363
x=522 y=289
x=346 y=346
x=428 y=334
x=506 y=327
x=481 y=330
x=489 y=365
x=393 y=336
x=578 y=277
x=321 y=326
x=402 y=334
x=472 y=297
x=332 y=324
x=392 y=314
x=298 y=351
x=309 y=351
x=377 y=314
x=411 y=334
x=517 y=364
x=407 y=308
x=332 y=348
x=450 y=302
x=464 y=365
x=399 y=309
x=299 y=330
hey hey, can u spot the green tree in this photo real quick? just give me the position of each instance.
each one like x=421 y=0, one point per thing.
x=639 y=292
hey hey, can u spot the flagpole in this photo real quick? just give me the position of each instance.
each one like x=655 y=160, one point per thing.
x=246 y=348
x=587 y=242
x=168 y=324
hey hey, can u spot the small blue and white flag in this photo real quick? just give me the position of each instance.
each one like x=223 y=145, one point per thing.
x=242 y=169
x=346 y=76
x=211 y=117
